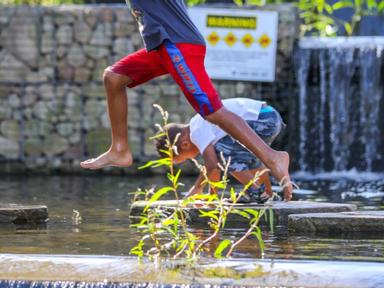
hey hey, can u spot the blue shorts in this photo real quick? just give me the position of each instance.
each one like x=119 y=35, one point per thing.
x=268 y=126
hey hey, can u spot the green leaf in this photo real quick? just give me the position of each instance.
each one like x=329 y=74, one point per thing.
x=380 y=7
x=348 y=28
x=210 y=214
x=221 y=247
x=259 y=237
x=271 y=219
x=158 y=194
x=233 y=194
x=241 y=213
x=342 y=4
x=253 y=212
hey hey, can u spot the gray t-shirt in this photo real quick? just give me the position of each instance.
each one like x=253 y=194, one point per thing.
x=164 y=19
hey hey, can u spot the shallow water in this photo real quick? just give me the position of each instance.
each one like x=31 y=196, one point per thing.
x=100 y=223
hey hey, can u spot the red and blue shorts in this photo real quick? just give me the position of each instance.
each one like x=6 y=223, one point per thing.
x=184 y=62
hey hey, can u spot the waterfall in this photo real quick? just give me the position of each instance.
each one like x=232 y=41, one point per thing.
x=341 y=104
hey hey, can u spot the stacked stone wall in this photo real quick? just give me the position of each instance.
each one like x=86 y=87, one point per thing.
x=52 y=103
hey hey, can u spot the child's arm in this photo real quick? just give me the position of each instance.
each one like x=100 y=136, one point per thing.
x=213 y=171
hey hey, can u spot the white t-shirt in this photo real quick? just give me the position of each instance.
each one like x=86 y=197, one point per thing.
x=203 y=133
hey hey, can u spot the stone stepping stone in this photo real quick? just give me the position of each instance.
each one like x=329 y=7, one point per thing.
x=281 y=210
x=356 y=221
x=23 y=214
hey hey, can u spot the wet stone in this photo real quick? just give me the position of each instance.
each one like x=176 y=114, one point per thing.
x=281 y=210
x=356 y=221
x=23 y=214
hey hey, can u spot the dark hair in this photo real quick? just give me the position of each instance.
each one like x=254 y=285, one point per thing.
x=172 y=129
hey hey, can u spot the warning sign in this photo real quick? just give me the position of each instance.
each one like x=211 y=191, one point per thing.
x=241 y=44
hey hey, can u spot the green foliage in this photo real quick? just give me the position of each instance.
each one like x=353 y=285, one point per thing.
x=165 y=230
x=40 y=2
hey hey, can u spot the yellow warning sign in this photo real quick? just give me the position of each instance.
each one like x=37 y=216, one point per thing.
x=264 y=41
x=248 y=40
x=230 y=39
x=213 y=38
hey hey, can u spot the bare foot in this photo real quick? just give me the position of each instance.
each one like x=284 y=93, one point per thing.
x=281 y=173
x=109 y=158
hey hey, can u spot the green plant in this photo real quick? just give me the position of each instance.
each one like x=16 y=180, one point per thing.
x=165 y=231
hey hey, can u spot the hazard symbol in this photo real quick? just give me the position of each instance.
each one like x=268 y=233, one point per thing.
x=248 y=40
x=230 y=39
x=264 y=41
x=213 y=38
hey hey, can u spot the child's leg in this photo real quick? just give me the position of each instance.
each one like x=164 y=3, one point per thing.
x=186 y=65
x=130 y=71
x=244 y=177
x=276 y=161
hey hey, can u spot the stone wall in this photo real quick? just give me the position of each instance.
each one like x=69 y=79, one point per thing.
x=52 y=103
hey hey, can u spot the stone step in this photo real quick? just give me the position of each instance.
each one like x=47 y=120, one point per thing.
x=356 y=221
x=23 y=214
x=281 y=210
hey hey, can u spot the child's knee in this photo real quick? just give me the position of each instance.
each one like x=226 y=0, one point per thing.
x=112 y=79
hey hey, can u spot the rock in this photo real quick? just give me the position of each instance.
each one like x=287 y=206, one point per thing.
x=64 y=129
x=123 y=46
x=35 y=128
x=96 y=52
x=356 y=221
x=94 y=108
x=98 y=71
x=102 y=36
x=54 y=144
x=9 y=148
x=82 y=75
x=10 y=129
x=98 y=141
x=23 y=214
x=33 y=146
x=65 y=72
x=94 y=90
x=48 y=25
x=82 y=31
x=61 y=51
x=281 y=210
x=5 y=112
x=19 y=38
x=46 y=91
x=11 y=69
x=29 y=99
x=14 y=101
x=91 y=17
x=64 y=35
x=105 y=121
x=41 y=111
x=63 y=18
x=106 y=14
x=76 y=57
x=47 y=43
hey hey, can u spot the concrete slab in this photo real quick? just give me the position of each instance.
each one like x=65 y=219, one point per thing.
x=23 y=214
x=357 y=221
x=281 y=210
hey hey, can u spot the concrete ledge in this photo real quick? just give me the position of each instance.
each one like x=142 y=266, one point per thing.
x=23 y=214
x=281 y=210
x=357 y=221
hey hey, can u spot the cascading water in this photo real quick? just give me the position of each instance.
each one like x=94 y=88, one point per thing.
x=341 y=104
